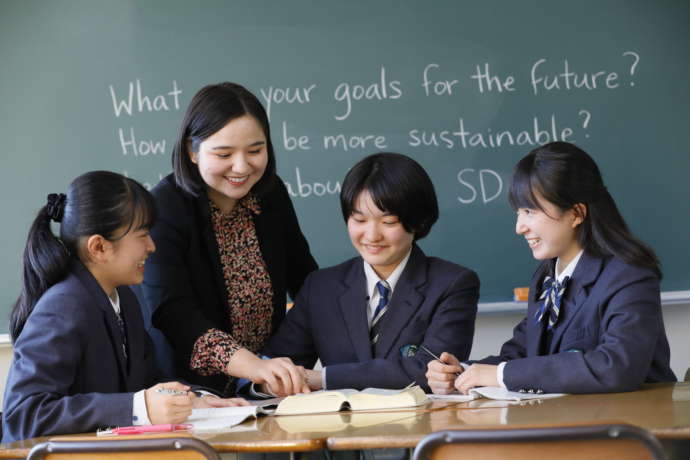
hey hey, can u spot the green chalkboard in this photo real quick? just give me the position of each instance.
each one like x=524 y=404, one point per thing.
x=466 y=88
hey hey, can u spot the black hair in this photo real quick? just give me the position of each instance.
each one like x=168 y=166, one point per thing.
x=213 y=107
x=397 y=185
x=96 y=203
x=565 y=175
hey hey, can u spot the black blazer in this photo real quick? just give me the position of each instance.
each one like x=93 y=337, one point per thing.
x=184 y=286
x=434 y=304
x=69 y=374
x=610 y=335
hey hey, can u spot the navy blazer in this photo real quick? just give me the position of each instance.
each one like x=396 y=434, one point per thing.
x=434 y=303
x=610 y=335
x=69 y=373
x=184 y=288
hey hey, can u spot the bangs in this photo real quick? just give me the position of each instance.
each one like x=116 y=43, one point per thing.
x=138 y=210
x=523 y=185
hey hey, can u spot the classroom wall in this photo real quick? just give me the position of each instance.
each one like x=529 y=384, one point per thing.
x=493 y=329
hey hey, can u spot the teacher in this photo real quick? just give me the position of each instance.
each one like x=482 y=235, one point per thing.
x=229 y=246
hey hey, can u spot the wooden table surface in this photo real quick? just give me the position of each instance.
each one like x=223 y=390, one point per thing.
x=664 y=409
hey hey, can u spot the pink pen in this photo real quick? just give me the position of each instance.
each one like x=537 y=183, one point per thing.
x=145 y=429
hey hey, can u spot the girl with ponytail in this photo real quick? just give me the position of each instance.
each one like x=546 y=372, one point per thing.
x=82 y=359
x=594 y=321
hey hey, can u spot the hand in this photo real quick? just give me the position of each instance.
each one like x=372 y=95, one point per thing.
x=440 y=375
x=205 y=401
x=168 y=408
x=280 y=375
x=477 y=375
x=314 y=379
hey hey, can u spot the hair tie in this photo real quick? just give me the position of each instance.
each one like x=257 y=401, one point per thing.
x=56 y=206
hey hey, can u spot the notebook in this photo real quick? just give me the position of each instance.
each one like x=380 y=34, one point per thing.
x=493 y=393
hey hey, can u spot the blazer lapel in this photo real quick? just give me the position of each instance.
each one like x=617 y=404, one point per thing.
x=353 y=305
x=586 y=273
x=103 y=303
x=404 y=303
x=535 y=331
x=209 y=239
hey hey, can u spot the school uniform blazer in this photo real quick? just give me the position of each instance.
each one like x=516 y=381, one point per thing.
x=184 y=287
x=610 y=335
x=434 y=304
x=69 y=373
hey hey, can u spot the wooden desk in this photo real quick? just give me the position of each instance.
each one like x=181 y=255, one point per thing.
x=664 y=409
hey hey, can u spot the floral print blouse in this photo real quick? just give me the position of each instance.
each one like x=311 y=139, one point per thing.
x=247 y=285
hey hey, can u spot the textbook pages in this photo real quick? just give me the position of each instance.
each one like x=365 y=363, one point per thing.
x=496 y=393
x=367 y=399
x=222 y=418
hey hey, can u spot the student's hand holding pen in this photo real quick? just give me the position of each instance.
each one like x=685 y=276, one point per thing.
x=442 y=372
x=168 y=402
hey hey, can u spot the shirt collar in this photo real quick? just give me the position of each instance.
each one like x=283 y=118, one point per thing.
x=115 y=301
x=568 y=271
x=373 y=278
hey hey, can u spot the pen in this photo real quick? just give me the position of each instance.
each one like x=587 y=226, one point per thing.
x=144 y=429
x=169 y=391
x=434 y=356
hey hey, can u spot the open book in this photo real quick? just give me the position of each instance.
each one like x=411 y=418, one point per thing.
x=222 y=418
x=494 y=393
x=348 y=399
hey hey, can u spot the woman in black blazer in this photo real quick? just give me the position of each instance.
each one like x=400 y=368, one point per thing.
x=229 y=246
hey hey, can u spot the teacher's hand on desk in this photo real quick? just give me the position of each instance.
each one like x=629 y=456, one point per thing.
x=277 y=376
x=441 y=373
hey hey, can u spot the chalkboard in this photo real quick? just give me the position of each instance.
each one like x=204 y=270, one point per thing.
x=466 y=88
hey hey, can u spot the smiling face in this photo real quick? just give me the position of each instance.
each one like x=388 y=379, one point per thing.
x=232 y=160
x=129 y=255
x=550 y=233
x=379 y=237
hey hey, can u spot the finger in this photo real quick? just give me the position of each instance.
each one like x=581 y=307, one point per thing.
x=449 y=358
x=297 y=380
x=175 y=386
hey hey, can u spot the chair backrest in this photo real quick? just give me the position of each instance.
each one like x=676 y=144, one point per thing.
x=604 y=442
x=126 y=447
x=687 y=375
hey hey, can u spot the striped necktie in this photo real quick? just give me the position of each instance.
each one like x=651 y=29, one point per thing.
x=384 y=292
x=123 y=333
x=551 y=296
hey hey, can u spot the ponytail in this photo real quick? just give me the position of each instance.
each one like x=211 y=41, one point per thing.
x=97 y=203
x=45 y=263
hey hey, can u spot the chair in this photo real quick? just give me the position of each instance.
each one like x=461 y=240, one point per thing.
x=604 y=442
x=174 y=447
x=687 y=375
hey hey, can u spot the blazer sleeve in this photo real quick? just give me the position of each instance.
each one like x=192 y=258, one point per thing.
x=300 y=262
x=629 y=315
x=451 y=328
x=47 y=359
x=294 y=336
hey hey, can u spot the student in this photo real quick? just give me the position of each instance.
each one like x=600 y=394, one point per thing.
x=367 y=318
x=81 y=355
x=229 y=246
x=594 y=321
